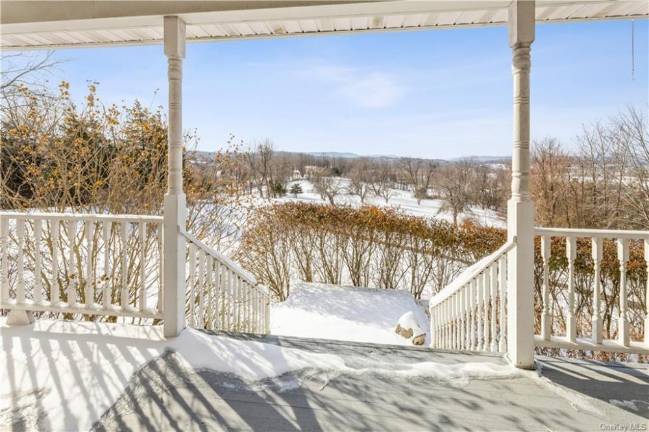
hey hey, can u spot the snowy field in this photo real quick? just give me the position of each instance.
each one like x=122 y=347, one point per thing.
x=315 y=310
x=64 y=375
x=401 y=200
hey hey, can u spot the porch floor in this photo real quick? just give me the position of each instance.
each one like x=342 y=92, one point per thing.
x=59 y=375
x=570 y=395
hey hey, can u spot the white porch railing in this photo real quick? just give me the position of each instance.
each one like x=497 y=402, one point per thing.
x=221 y=295
x=81 y=264
x=111 y=265
x=627 y=301
x=470 y=313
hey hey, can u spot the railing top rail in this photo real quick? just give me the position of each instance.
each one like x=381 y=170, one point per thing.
x=82 y=216
x=470 y=273
x=597 y=233
x=242 y=273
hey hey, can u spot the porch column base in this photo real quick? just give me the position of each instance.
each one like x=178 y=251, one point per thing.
x=520 y=293
x=19 y=318
x=174 y=265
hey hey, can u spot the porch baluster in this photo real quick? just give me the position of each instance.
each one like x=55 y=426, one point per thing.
x=73 y=276
x=142 y=238
x=192 y=282
x=494 y=289
x=571 y=327
x=107 y=291
x=89 y=287
x=161 y=273
x=467 y=313
x=623 y=325
x=4 y=259
x=486 y=288
x=596 y=332
x=546 y=318
x=462 y=320
x=202 y=289
x=646 y=319
x=20 y=261
x=472 y=332
x=55 y=296
x=38 y=262
x=479 y=315
x=502 y=335
x=457 y=321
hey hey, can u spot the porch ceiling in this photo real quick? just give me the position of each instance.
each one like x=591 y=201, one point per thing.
x=55 y=24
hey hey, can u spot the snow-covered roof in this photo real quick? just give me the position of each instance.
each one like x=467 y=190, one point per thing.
x=52 y=24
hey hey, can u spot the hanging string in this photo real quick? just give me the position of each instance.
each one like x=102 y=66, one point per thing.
x=632 y=50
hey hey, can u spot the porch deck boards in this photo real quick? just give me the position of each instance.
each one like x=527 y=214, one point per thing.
x=167 y=395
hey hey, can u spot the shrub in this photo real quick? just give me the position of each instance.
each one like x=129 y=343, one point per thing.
x=296 y=189
x=367 y=246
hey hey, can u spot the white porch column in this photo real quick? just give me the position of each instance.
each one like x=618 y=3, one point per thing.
x=520 y=210
x=174 y=204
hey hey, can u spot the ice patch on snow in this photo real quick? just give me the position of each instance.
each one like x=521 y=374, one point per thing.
x=460 y=373
x=628 y=404
x=457 y=375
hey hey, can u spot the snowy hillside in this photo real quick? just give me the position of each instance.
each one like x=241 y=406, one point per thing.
x=344 y=313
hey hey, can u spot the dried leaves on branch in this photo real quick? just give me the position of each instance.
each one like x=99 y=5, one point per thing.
x=367 y=246
x=59 y=156
x=91 y=158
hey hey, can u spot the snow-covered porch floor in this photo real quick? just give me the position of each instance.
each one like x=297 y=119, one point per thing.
x=77 y=376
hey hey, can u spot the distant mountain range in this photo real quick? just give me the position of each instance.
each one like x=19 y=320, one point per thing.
x=344 y=155
x=482 y=159
x=203 y=155
x=340 y=155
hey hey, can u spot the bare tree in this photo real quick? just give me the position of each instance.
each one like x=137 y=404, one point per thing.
x=550 y=168
x=381 y=181
x=358 y=180
x=418 y=173
x=328 y=187
x=454 y=183
x=25 y=70
x=633 y=127
x=259 y=160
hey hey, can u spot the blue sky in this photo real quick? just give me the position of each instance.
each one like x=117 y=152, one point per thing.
x=439 y=93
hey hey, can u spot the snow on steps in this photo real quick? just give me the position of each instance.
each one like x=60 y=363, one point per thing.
x=323 y=311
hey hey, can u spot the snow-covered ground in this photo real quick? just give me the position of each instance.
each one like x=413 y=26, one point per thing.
x=402 y=200
x=315 y=310
x=74 y=371
x=69 y=373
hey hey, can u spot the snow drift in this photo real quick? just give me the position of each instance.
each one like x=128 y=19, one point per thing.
x=322 y=311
